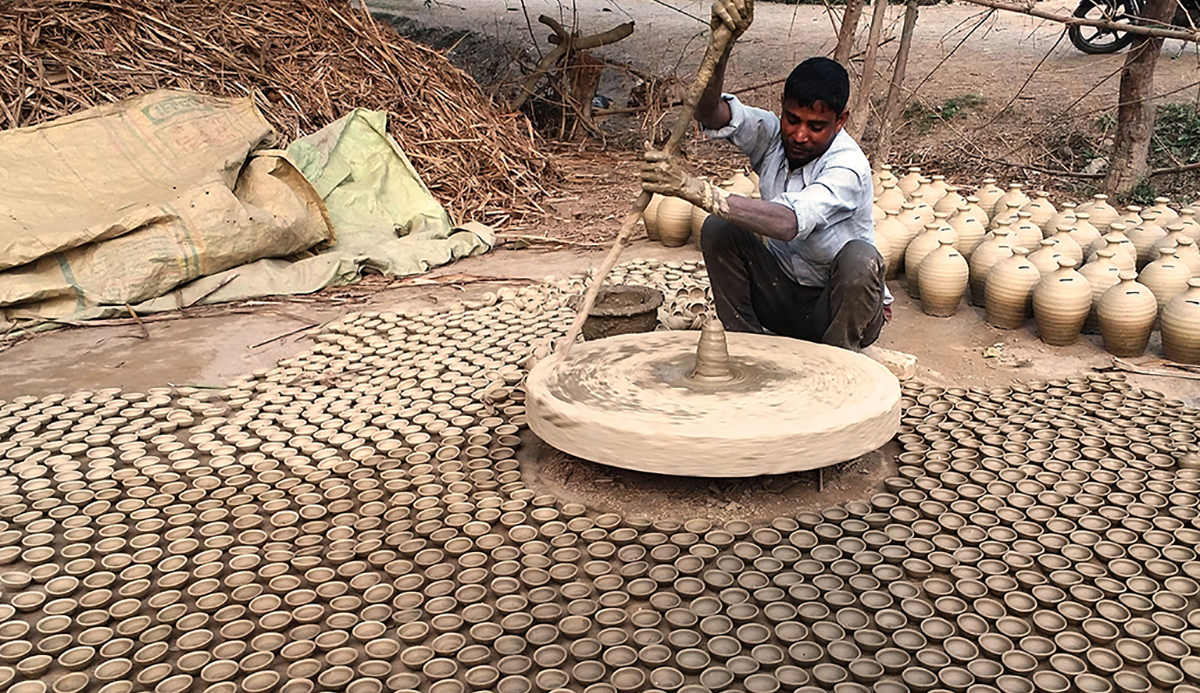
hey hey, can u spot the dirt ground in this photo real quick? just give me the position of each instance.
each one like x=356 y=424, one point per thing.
x=210 y=351
x=595 y=190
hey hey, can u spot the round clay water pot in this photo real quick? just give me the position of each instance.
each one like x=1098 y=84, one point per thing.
x=986 y=255
x=1126 y=314
x=650 y=217
x=1061 y=302
x=1166 y=277
x=1181 y=325
x=943 y=278
x=897 y=240
x=925 y=243
x=1008 y=293
x=674 y=221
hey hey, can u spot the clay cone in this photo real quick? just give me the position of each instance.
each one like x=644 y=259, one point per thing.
x=1126 y=314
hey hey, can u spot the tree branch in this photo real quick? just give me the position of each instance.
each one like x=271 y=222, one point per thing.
x=1031 y=10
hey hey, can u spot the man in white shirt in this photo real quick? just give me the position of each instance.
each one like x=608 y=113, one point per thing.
x=819 y=276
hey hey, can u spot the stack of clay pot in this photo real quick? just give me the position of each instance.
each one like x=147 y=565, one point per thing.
x=1072 y=256
x=675 y=222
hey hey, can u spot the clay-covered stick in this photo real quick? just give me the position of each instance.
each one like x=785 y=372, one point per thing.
x=716 y=48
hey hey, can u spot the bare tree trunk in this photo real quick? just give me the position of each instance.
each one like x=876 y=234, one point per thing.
x=845 y=44
x=891 y=109
x=1135 y=112
x=860 y=111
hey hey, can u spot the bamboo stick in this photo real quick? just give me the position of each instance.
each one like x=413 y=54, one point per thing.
x=721 y=39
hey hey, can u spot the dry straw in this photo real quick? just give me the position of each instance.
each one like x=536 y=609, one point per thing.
x=306 y=63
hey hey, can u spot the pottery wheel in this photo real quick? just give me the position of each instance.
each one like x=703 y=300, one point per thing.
x=776 y=405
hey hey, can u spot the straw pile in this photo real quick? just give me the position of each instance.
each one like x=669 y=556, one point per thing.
x=306 y=62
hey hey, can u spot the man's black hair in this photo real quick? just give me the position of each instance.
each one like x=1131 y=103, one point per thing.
x=818 y=79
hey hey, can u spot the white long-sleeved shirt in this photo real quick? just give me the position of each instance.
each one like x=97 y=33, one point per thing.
x=831 y=196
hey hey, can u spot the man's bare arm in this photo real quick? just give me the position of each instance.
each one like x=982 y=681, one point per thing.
x=769 y=219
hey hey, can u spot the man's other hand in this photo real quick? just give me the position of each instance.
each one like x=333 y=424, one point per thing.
x=735 y=14
x=660 y=174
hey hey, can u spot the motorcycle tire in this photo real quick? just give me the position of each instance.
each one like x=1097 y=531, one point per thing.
x=1094 y=40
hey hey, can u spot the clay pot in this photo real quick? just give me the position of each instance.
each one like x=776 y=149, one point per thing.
x=1084 y=232
x=1009 y=215
x=882 y=175
x=943 y=279
x=950 y=202
x=970 y=228
x=1124 y=254
x=929 y=194
x=1189 y=254
x=1046 y=256
x=898 y=238
x=1143 y=236
x=977 y=211
x=674 y=221
x=1126 y=314
x=740 y=184
x=982 y=260
x=911 y=219
x=699 y=216
x=1061 y=302
x=1064 y=218
x=921 y=209
x=890 y=198
x=1014 y=197
x=1187 y=219
x=1009 y=291
x=884 y=245
x=1029 y=235
x=1102 y=214
x=1181 y=325
x=1040 y=209
x=1172 y=239
x=650 y=217
x=1102 y=274
x=1164 y=214
x=910 y=181
x=921 y=246
x=1166 y=277
x=988 y=195
x=1067 y=246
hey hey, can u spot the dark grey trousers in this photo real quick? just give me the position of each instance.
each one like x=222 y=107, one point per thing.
x=753 y=293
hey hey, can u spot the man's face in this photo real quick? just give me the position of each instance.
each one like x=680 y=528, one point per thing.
x=807 y=131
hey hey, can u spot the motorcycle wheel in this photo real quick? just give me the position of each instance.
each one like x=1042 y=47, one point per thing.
x=1094 y=40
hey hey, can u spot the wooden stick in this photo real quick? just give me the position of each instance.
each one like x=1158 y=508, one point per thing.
x=145 y=333
x=1031 y=10
x=721 y=38
x=1126 y=366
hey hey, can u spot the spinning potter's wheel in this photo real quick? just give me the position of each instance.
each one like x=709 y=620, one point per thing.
x=732 y=405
